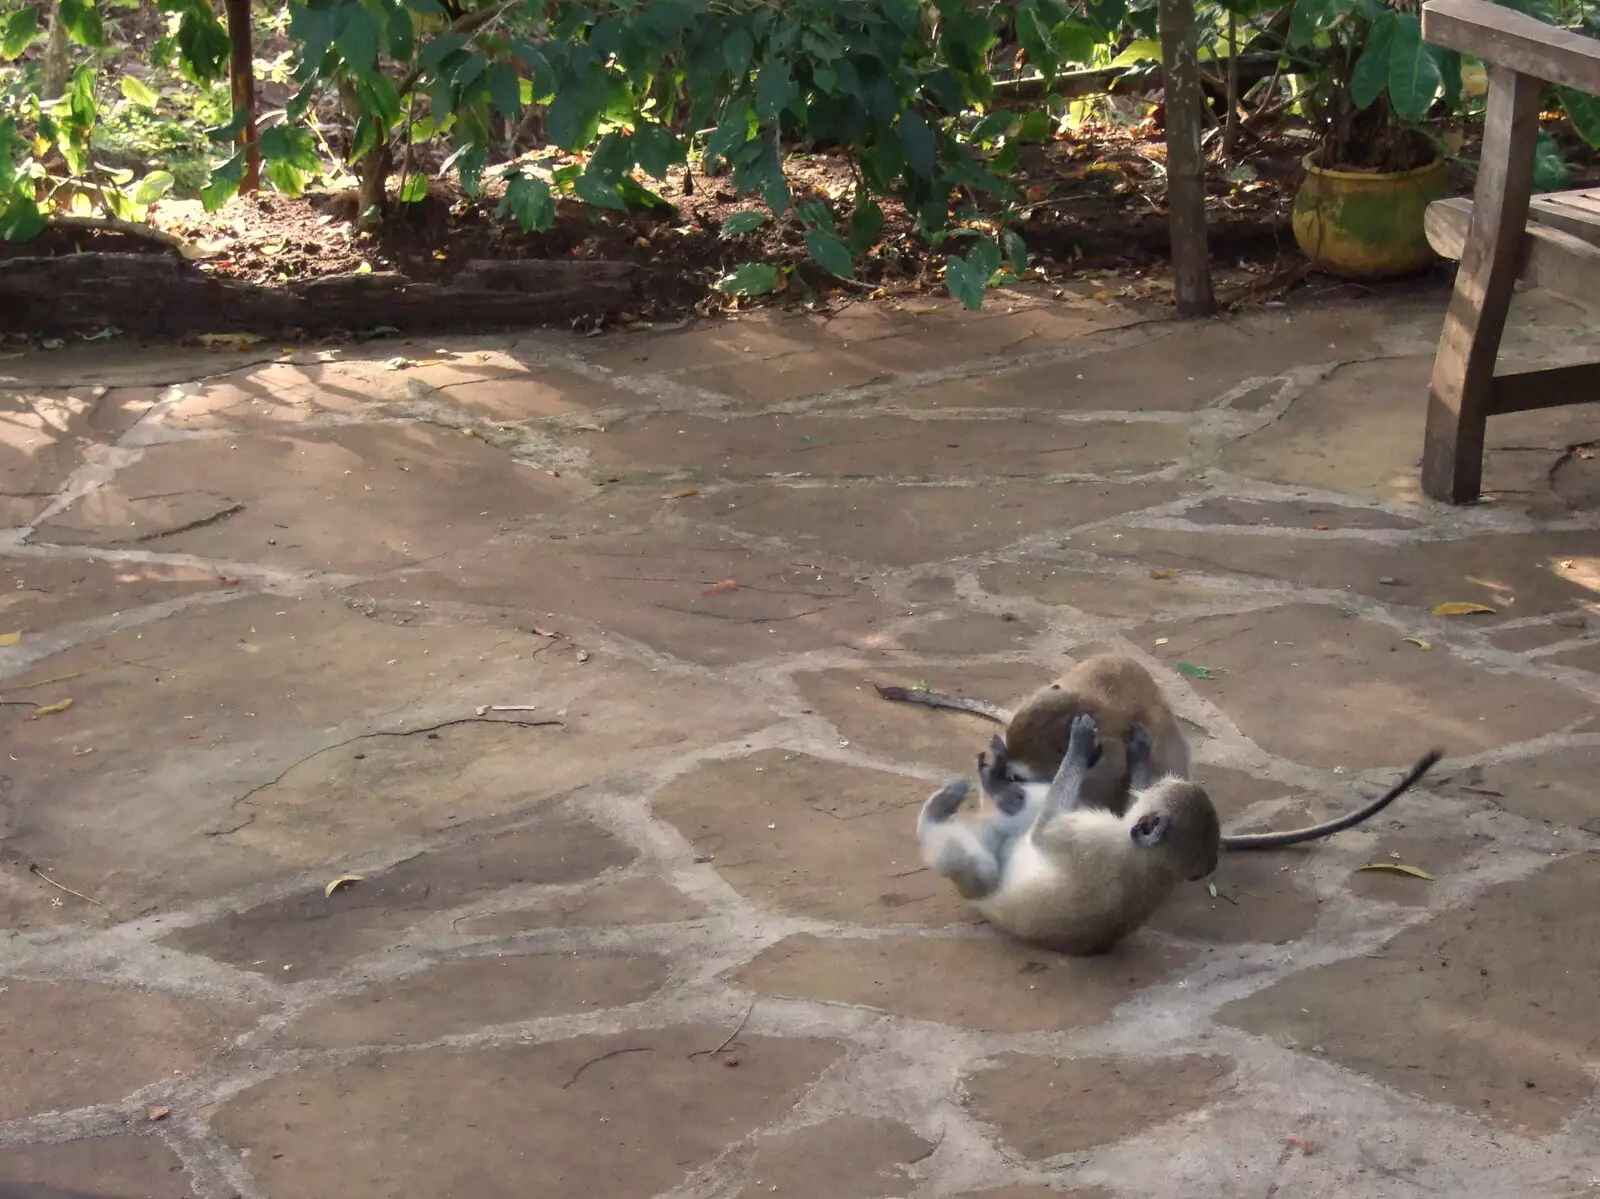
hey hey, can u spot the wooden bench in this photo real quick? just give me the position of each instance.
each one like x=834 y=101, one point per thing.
x=1502 y=235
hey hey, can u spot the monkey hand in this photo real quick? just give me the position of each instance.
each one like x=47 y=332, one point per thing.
x=1083 y=740
x=944 y=802
x=1138 y=743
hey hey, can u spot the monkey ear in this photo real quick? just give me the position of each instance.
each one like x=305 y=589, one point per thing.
x=1150 y=830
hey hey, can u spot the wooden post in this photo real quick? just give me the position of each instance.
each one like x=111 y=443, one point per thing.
x=242 y=78
x=1186 y=180
x=1463 y=370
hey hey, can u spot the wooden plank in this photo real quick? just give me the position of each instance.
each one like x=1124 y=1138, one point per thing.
x=1552 y=387
x=1463 y=369
x=1549 y=258
x=1577 y=213
x=1507 y=38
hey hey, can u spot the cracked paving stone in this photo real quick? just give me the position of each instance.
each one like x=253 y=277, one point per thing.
x=1519 y=639
x=694 y=593
x=357 y=499
x=940 y=341
x=1486 y=1007
x=847 y=1157
x=1190 y=367
x=187 y=715
x=755 y=337
x=903 y=525
x=1025 y=1191
x=1585 y=657
x=1296 y=514
x=628 y=901
x=1556 y=786
x=1007 y=987
x=1519 y=575
x=1367 y=715
x=812 y=837
x=505 y=989
x=1046 y=1106
x=265 y=399
x=95 y=1168
x=971 y=633
x=911 y=733
x=626 y=1116
x=312 y=934
x=47 y=434
x=873 y=446
x=1360 y=431
x=1432 y=849
x=75 y=1043
x=39 y=594
x=1120 y=597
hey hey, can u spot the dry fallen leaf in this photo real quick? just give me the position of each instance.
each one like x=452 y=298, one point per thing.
x=1461 y=608
x=79 y=751
x=338 y=884
x=590 y=428
x=1171 y=573
x=481 y=710
x=61 y=705
x=10 y=638
x=684 y=494
x=1398 y=868
x=1300 y=1143
x=1418 y=642
x=159 y=1113
x=538 y=632
x=722 y=588
x=1322 y=528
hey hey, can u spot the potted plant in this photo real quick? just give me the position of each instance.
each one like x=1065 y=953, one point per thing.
x=1359 y=211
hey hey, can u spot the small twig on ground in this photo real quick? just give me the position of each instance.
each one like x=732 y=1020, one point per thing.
x=737 y=1029
x=106 y=224
x=33 y=868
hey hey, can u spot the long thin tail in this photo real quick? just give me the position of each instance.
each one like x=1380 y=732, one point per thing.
x=953 y=703
x=1340 y=823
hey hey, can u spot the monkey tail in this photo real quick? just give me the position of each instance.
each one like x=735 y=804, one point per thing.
x=1339 y=823
x=953 y=703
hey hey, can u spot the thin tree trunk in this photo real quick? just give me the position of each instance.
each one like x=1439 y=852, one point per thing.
x=57 y=61
x=242 y=77
x=1186 y=181
x=1230 y=128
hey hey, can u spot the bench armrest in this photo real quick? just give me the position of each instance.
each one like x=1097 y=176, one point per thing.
x=1506 y=38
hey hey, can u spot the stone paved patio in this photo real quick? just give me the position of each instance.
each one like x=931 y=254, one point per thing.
x=564 y=646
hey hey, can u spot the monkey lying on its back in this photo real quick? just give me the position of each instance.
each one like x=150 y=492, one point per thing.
x=1120 y=696
x=1074 y=878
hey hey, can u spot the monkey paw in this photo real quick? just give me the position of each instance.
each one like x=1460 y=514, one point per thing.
x=1138 y=742
x=943 y=803
x=1083 y=739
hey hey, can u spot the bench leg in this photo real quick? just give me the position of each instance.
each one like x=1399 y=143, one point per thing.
x=1463 y=371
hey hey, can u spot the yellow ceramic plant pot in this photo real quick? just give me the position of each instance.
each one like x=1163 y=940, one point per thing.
x=1364 y=226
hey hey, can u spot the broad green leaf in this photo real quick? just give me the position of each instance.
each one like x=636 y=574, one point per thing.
x=21 y=220
x=593 y=190
x=656 y=148
x=866 y=222
x=202 y=45
x=137 y=91
x=505 y=91
x=1551 y=172
x=1142 y=50
x=736 y=52
x=751 y=279
x=414 y=189
x=815 y=214
x=529 y=200
x=1036 y=126
x=1371 y=73
x=917 y=140
x=1414 y=76
x=573 y=119
x=1075 y=41
x=224 y=184
x=1190 y=670
x=1016 y=252
x=439 y=49
x=153 y=186
x=1584 y=112
x=1312 y=16
x=828 y=252
x=965 y=281
x=82 y=20
x=291 y=144
x=20 y=28
x=743 y=222
x=774 y=89
x=285 y=176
